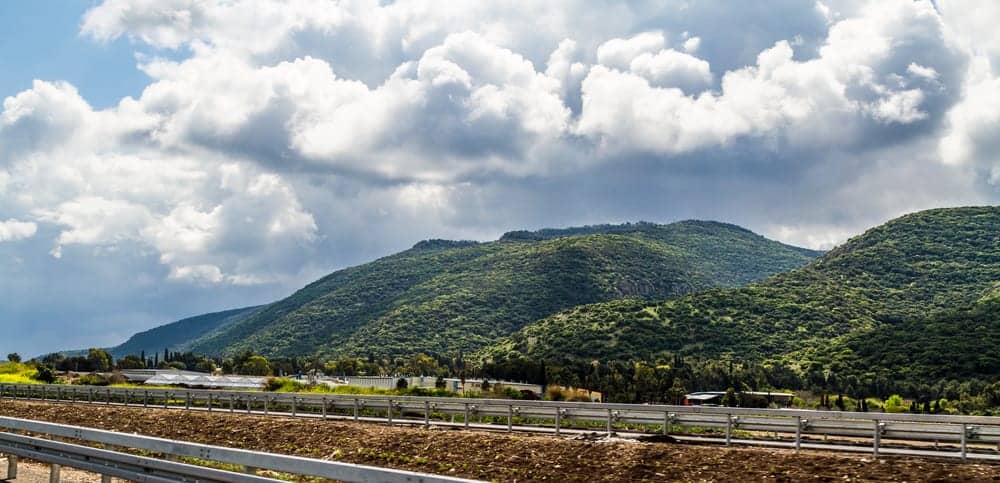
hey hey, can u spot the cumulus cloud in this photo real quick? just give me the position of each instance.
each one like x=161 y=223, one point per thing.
x=277 y=140
x=13 y=230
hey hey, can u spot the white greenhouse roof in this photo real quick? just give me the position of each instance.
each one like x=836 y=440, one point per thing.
x=246 y=382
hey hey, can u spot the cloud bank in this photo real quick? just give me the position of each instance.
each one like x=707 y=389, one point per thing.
x=278 y=140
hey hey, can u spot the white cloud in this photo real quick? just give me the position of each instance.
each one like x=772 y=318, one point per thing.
x=971 y=138
x=670 y=68
x=13 y=230
x=279 y=139
x=900 y=107
x=827 y=100
x=692 y=44
x=619 y=53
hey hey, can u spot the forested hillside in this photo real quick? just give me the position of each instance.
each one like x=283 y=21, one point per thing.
x=178 y=335
x=446 y=297
x=902 y=299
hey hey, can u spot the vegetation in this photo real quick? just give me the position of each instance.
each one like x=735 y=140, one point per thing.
x=179 y=334
x=12 y=372
x=447 y=297
x=902 y=308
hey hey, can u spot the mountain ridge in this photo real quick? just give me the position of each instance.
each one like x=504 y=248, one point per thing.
x=455 y=296
x=915 y=269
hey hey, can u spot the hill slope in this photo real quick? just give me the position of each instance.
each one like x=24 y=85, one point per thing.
x=177 y=336
x=893 y=285
x=444 y=297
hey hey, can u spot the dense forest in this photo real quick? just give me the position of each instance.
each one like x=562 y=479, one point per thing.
x=911 y=307
x=908 y=307
x=446 y=297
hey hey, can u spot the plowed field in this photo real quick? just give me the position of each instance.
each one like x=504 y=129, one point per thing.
x=499 y=456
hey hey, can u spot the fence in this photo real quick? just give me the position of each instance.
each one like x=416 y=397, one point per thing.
x=964 y=436
x=140 y=468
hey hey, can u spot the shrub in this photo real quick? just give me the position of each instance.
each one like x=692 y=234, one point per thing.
x=554 y=393
x=93 y=380
x=895 y=404
x=45 y=374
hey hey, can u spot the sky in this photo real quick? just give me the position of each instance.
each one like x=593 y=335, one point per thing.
x=166 y=158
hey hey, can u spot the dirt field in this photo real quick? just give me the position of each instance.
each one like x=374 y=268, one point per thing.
x=499 y=456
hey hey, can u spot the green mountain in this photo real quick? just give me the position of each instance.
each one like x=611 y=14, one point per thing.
x=446 y=296
x=179 y=335
x=907 y=290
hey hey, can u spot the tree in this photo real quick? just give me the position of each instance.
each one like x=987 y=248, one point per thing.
x=14 y=357
x=439 y=383
x=205 y=365
x=45 y=374
x=256 y=366
x=99 y=360
x=730 y=398
x=485 y=385
x=130 y=361
x=677 y=391
x=840 y=402
x=401 y=384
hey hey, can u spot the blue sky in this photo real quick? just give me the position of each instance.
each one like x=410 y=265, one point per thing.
x=41 y=40
x=165 y=158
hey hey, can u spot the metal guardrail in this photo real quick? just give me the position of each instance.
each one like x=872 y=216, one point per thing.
x=557 y=416
x=146 y=469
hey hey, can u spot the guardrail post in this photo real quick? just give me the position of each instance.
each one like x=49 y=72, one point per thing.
x=55 y=474
x=105 y=478
x=355 y=410
x=466 y=415
x=798 y=432
x=729 y=429
x=878 y=437
x=187 y=401
x=427 y=414
x=108 y=400
x=232 y=403
x=324 y=407
x=609 y=423
x=11 y=467
x=267 y=402
x=388 y=412
x=145 y=399
x=510 y=418
x=295 y=406
x=210 y=402
x=250 y=401
x=965 y=439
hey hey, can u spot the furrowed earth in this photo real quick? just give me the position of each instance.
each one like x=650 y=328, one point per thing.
x=499 y=456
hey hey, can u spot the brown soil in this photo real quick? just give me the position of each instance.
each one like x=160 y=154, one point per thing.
x=500 y=456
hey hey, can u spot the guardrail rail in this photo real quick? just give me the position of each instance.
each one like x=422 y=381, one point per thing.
x=962 y=436
x=109 y=463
